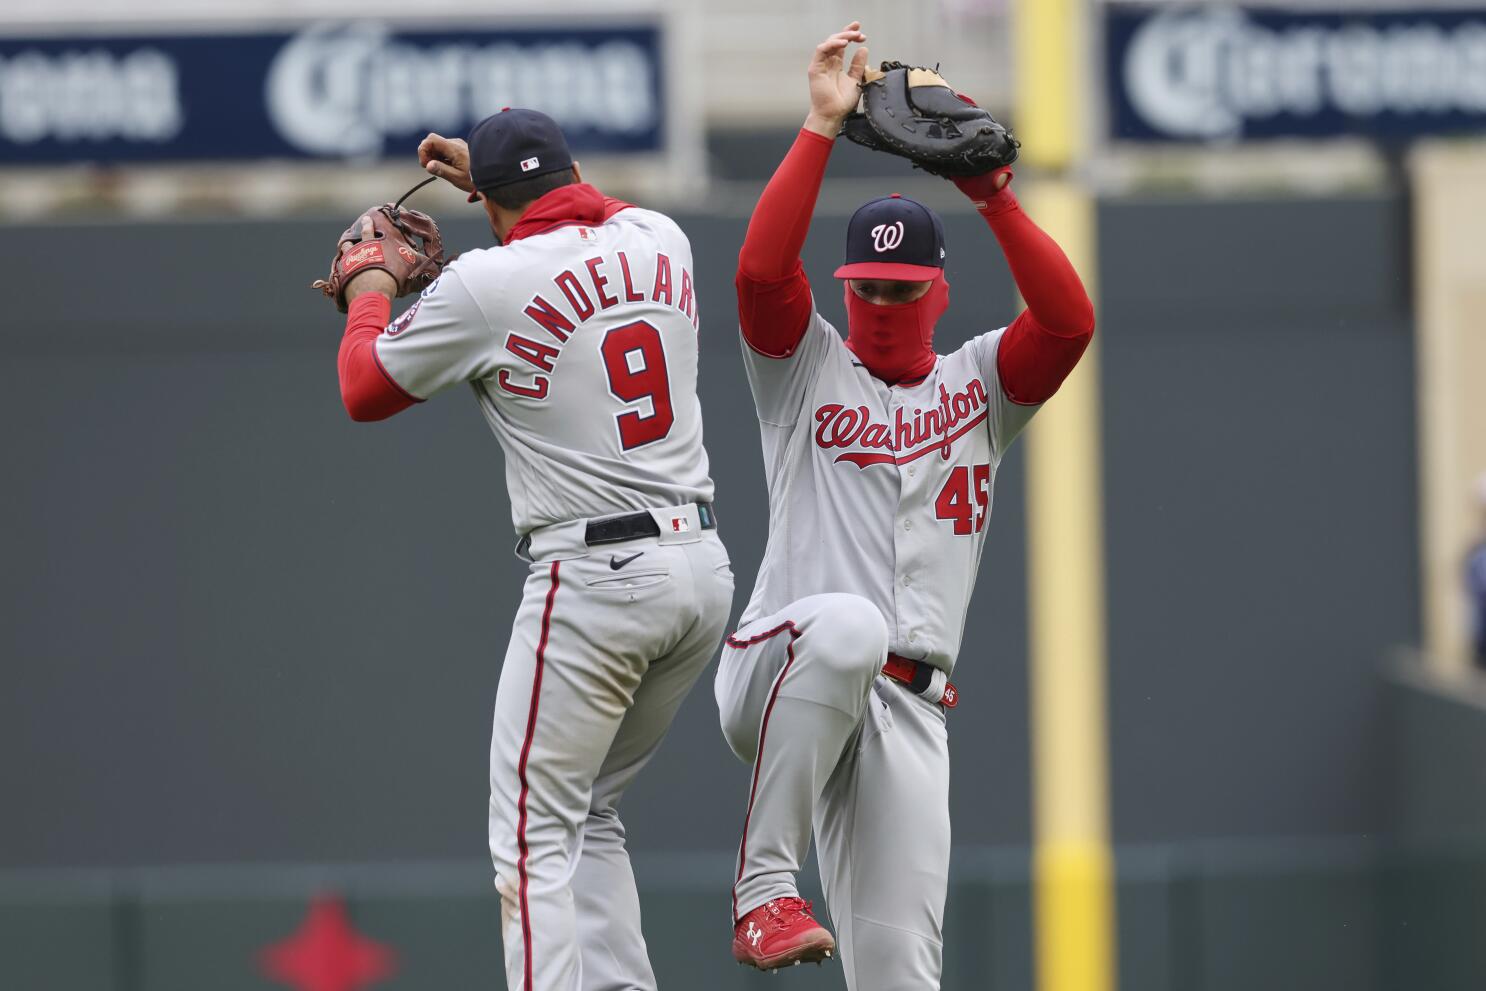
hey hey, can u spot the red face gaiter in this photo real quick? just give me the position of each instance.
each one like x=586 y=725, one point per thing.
x=896 y=342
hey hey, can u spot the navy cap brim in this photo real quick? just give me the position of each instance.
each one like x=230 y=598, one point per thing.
x=897 y=271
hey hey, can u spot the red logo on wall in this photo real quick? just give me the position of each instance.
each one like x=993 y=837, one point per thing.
x=327 y=954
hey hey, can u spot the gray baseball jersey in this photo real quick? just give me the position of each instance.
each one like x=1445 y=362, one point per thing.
x=581 y=346
x=877 y=490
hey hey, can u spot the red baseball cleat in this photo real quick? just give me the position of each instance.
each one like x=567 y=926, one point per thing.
x=781 y=933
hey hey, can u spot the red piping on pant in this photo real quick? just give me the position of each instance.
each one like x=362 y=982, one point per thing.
x=531 y=729
x=758 y=757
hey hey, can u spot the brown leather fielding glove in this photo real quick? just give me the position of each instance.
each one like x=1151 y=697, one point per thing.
x=407 y=246
x=913 y=112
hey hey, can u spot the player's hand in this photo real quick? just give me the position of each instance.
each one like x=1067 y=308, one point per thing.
x=371 y=279
x=835 y=87
x=447 y=158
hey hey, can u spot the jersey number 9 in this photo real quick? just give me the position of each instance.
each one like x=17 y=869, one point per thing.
x=636 y=363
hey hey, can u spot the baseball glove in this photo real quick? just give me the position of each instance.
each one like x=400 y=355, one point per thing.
x=405 y=244
x=912 y=112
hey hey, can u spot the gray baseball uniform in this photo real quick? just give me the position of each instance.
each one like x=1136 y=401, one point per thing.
x=878 y=499
x=581 y=346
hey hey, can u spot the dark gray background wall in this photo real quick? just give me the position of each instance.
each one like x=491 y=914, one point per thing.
x=239 y=627
x=1259 y=438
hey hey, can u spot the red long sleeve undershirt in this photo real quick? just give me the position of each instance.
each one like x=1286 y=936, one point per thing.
x=1038 y=350
x=773 y=292
x=1045 y=341
x=366 y=389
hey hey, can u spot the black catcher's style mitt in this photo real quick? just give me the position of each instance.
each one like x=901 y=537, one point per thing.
x=912 y=112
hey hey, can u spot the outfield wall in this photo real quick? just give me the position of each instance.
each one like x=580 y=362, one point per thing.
x=243 y=630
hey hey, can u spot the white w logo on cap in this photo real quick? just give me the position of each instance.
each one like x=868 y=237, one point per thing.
x=886 y=237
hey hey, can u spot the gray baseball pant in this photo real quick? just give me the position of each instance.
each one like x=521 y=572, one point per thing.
x=861 y=758
x=600 y=659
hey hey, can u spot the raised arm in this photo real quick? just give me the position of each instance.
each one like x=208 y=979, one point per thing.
x=773 y=292
x=1045 y=341
x=440 y=340
x=367 y=391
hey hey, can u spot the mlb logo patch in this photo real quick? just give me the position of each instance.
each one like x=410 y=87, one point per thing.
x=680 y=524
x=588 y=234
x=527 y=164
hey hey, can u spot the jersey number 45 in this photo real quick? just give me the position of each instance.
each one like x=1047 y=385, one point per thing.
x=635 y=360
x=955 y=499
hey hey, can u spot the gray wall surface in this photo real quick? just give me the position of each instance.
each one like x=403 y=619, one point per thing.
x=1261 y=519
x=239 y=627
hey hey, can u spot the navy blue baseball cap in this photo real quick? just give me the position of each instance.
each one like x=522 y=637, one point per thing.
x=516 y=144
x=893 y=238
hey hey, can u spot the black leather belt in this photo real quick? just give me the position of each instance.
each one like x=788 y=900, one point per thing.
x=637 y=525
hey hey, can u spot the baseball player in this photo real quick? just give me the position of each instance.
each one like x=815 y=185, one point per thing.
x=880 y=457
x=578 y=335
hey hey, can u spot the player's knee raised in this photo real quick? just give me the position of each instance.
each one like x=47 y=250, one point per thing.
x=850 y=632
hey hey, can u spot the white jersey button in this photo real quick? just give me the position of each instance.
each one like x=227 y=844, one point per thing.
x=908 y=524
x=907 y=579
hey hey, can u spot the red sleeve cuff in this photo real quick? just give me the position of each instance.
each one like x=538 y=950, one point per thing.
x=819 y=139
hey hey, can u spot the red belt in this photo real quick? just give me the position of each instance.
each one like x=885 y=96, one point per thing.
x=919 y=676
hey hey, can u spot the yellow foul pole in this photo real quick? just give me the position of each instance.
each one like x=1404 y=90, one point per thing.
x=1073 y=870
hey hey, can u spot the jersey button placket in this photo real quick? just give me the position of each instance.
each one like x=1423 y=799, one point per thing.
x=911 y=543
x=903 y=547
